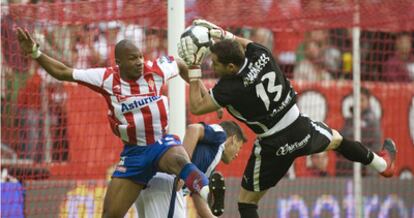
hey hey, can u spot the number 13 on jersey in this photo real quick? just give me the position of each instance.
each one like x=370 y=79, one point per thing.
x=263 y=93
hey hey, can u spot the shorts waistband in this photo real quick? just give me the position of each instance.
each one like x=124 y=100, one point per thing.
x=175 y=137
x=290 y=117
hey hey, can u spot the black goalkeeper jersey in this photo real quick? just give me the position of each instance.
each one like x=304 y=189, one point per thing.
x=259 y=95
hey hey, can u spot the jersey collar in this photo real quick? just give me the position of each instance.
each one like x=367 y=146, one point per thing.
x=242 y=68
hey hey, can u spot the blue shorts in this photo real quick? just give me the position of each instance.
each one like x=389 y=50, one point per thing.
x=140 y=163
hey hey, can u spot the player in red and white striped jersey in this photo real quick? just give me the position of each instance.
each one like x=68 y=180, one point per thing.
x=138 y=115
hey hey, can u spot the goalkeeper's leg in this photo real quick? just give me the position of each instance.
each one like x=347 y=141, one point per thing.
x=356 y=151
x=248 y=201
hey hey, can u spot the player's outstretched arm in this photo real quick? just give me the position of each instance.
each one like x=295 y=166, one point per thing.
x=54 y=67
x=219 y=33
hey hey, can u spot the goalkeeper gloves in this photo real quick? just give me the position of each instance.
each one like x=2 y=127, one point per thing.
x=214 y=30
x=192 y=56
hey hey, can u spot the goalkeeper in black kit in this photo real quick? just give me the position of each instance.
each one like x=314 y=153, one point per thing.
x=255 y=91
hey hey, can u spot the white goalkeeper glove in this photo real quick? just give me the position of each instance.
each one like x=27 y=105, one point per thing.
x=189 y=51
x=214 y=30
x=192 y=56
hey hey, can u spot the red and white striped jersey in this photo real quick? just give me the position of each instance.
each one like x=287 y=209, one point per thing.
x=137 y=111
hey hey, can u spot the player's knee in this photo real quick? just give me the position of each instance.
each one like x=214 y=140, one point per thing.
x=336 y=140
x=174 y=160
x=180 y=157
x=248 y=210
x=250 y=197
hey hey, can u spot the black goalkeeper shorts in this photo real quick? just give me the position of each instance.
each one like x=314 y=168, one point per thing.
x=272 y=156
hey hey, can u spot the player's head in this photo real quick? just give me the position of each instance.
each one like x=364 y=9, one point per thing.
x=235 y=140
x=129 y=59
x=227 y=56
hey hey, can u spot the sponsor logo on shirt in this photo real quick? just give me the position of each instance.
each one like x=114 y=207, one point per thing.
x=287 y=149
x=126 y=107
x=282 y=105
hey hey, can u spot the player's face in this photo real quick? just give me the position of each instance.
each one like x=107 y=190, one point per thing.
x=233 y=146
x=218 y=67
x=131 y=63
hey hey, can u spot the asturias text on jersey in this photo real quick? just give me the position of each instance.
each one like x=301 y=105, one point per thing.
x=138 y=103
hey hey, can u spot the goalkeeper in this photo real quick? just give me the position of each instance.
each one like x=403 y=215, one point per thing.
x=138 y=115
x=256 y=92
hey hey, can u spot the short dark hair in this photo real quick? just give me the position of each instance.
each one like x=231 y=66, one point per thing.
x=121 y=46
x=228 y=51
x=232 y=128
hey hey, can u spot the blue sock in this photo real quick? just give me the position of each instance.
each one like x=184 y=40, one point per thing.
x=194 y=179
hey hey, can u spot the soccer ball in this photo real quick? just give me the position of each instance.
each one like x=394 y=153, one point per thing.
x=199 y=34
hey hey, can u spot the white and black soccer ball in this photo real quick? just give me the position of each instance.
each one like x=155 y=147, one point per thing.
x=199 y=34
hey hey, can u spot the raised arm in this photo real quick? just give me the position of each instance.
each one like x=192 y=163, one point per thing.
x=200 y=100
x=54 y=67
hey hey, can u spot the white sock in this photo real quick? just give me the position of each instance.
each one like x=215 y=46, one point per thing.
x=378 y=163
x=204 y=192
